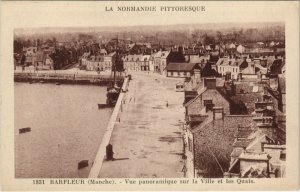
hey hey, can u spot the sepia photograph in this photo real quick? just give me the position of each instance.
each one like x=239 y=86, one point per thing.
x=205 y=102
x=164 y=97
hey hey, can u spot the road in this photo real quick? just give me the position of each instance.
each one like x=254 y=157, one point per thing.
x=147 y=141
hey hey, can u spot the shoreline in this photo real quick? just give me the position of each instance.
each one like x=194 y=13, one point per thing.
x=66 y=78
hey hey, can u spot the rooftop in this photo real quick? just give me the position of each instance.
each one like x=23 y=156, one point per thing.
x=181 y=67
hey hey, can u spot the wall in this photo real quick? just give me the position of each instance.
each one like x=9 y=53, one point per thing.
x=96 y=167
x=189 y=154
x=195 y=107
x=234 y=70
x=217 y=99
x=178 y=74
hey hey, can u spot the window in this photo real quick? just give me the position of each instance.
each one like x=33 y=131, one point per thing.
x=208 y=104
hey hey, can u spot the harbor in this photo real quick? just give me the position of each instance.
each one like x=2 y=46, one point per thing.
x=147 y=121
x=66 y=128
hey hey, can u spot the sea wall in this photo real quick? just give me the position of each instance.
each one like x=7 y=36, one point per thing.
x=66 y=78
x=95 y=170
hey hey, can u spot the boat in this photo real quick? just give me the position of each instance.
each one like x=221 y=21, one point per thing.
x=113 y=90
x=24 y=130
x=101 y=106
x=112 y=95
x=83 y=164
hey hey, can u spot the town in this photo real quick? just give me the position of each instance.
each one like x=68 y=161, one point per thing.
x=232 y=81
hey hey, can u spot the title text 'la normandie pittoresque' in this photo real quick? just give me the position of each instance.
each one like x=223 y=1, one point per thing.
x=155 y=8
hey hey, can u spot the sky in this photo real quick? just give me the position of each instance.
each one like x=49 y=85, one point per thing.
x=86 y=14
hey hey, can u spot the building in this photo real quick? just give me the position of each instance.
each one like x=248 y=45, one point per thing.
x=160 y=61
x=231 y=67
x=84 y=59
x=110 y=60
x=208 y=96
x=235 y=67
x=181 y=69
x=48 y=63
x=136 y=62
x=209 y=141
x=257 y=156
x=219 y=143
x=97 y=62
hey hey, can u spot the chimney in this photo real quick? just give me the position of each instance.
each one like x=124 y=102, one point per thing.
x=233 y=88
x=240 y=77
x=197 y=74
x=262 y=146
x=259 y=77
x=218 y=113
x=210 y=83
x=180 y=49
x=265 y=90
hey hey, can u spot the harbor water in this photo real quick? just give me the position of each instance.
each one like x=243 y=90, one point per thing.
x=66 y=127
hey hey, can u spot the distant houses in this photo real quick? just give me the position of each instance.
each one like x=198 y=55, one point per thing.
x=98 y=62
x=36 y=58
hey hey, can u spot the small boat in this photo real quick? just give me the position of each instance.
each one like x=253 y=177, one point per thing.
x=112 y=96
x=42 y=81
x=83 y=164
x=57 y=83
x=24 y=130
x=101 y=106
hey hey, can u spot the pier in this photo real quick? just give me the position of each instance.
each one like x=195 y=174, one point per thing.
x=94 y=172
x=145 y=130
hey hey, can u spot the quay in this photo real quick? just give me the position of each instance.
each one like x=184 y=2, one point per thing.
x=65 y=77
x=145 y=131
x=94 y=172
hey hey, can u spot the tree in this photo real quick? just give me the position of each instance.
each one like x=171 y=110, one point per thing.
x=206 y=40
x=219 y=37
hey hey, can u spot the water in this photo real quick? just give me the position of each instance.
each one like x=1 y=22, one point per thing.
x=66 y=127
